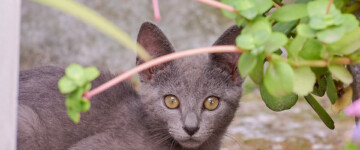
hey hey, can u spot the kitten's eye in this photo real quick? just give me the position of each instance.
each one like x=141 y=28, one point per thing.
x=211 y=103
x=171 y=101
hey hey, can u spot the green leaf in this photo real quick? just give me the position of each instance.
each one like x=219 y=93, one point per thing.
x=305 y=31
x=275 y=41
x=324 y=116
x=319 y=18
x=240 y=21
x=277 y=104
x=87 y=86
x=245 y=41
x=331 y=35
x=304 y=81
x=263 y=5
x=284 y=27
x=246 y=64
x=296 y=45
x=74 y=71
x=66 y=85
x=85 y=105
x=320 y=86
x=350 y=22
x=74 y=116
x=341 y=73
x=313 y=50
x=76 y=95
x=257 y=73
x=260 y=24
x=90 y=17
x=226 y=13
x=319 y=7
x=331 y=90
x=249 y=13
x=91 y=73
x=348 y=44
x=290 y=12
x=279 y=78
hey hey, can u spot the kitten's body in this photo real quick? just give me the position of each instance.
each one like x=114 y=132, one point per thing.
x=120 y=119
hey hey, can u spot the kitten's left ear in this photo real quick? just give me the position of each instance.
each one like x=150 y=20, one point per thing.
x=227 y=61
x=156 y=44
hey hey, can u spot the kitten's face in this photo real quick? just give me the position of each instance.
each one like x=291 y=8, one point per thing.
x=190 y=100
x=188 y=120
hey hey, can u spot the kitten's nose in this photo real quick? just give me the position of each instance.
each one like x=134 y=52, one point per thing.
x=190 y=130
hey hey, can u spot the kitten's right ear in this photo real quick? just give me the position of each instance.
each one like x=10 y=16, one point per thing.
x=156 y=44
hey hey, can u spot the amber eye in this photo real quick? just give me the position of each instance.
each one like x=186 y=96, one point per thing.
x=171 y=101
x=211 y=103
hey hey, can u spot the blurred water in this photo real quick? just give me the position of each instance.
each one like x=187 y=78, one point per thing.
x=52 y=37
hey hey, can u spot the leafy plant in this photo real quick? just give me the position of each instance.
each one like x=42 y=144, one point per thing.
x=76 y=81
x=319 y=37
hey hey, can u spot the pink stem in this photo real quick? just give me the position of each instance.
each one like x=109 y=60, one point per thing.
x=156 y=10
x=160 y=60
x=218 y=5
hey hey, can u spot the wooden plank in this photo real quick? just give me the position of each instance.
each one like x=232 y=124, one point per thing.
x=9 y=68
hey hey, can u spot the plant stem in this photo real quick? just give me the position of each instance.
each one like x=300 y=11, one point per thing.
x=276 y=5
x=214 y=49
x=353 y=8
x=160 y=60
x=157 y=16
x=329 y=5
x=218 y=5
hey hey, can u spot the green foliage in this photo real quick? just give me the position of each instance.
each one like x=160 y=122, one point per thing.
x=324 y=116
x=279 y=78
x=277 y=103
x=331 y=90
x=304 y=80
x=247 y=63
x=315 y=34
x=76 y=81
x=290 y=13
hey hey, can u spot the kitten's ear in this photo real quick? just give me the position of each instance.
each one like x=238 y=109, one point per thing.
x=156 y=44
x=227 y=61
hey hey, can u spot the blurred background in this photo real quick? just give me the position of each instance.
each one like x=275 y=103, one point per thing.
x=50 y=37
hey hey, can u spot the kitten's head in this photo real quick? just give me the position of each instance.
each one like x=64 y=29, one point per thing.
x=190 y=100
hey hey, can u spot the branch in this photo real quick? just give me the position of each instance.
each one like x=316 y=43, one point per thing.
x=329 y=5
x=157 y=16
x=218 y=5
x=160 y=60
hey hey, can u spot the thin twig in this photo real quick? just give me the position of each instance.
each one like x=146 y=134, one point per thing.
x=329 y=6
x=160 y=60
x=276 y=5
x=157 y=16
x=218 y=5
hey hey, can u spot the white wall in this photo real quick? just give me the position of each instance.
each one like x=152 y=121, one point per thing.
x=9 y=67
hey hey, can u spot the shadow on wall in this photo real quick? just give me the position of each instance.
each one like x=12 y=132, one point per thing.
x=52 y=37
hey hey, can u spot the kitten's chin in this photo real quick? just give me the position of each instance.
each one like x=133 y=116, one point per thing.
x=190 y=143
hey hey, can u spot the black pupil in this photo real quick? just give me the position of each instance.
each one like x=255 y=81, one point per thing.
x=211 y=101
x=172 y=99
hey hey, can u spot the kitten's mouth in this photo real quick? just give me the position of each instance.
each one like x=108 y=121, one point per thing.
x=190 y=143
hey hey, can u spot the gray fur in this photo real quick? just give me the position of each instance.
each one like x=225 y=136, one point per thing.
x=119 y=118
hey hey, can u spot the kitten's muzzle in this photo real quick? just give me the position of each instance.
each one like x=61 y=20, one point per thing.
x=191 y=124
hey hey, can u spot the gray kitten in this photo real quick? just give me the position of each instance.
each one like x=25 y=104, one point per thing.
x=183 y=104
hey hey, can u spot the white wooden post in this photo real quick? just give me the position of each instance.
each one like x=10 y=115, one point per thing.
x=9 y=68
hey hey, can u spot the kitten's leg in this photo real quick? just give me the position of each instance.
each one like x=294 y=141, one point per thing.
x=107 y=141
x=29 y=127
